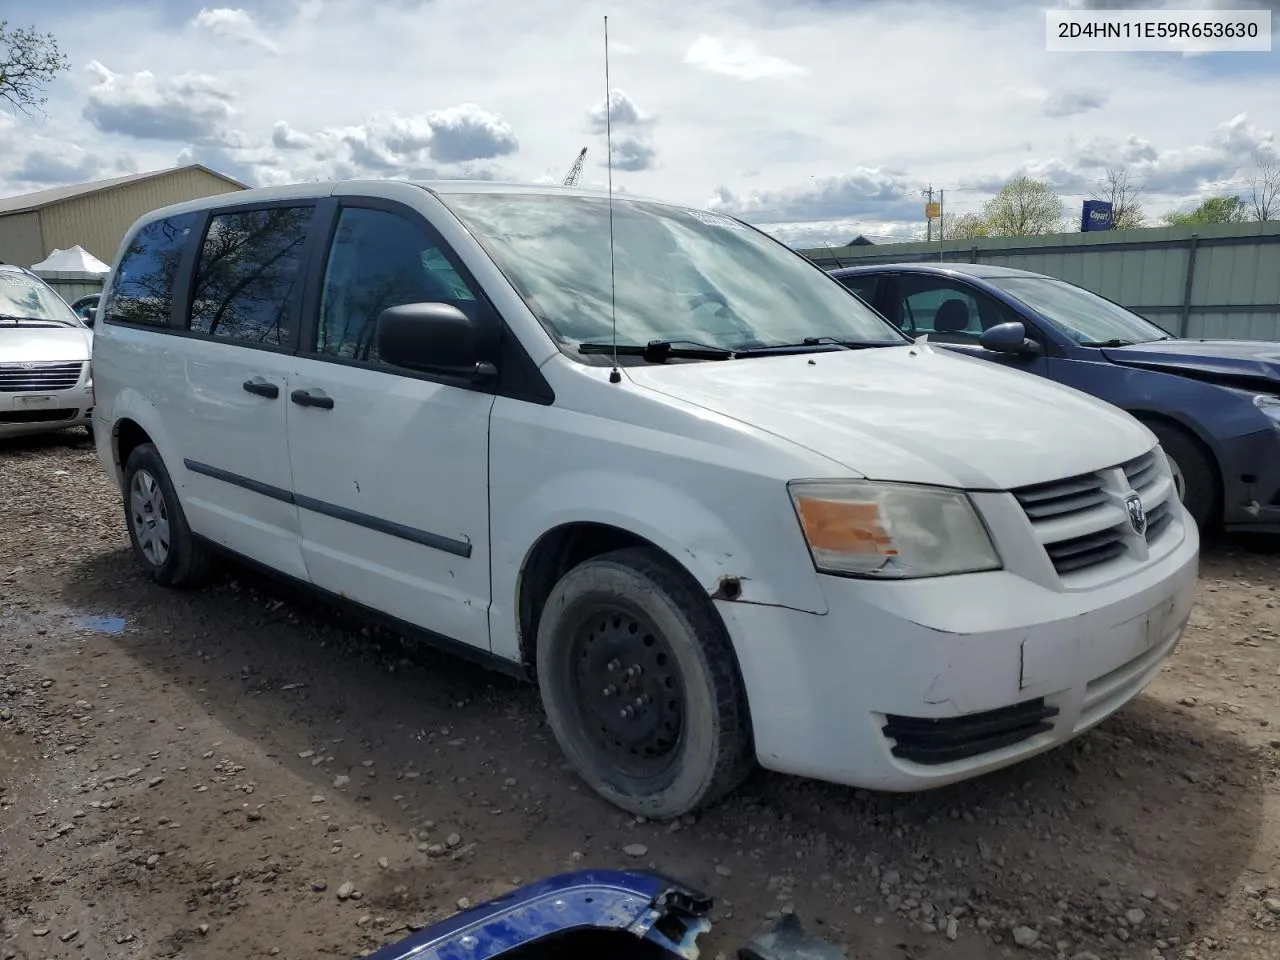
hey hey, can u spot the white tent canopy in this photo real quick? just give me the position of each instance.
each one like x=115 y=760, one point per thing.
x=76 y=260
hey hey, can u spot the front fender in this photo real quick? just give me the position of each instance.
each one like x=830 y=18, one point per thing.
x=761 y=546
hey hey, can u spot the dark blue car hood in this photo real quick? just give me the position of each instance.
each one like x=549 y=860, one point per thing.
x=1247 y=364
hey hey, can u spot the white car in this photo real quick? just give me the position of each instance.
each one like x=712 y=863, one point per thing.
x=44 y=358
x=770 y=530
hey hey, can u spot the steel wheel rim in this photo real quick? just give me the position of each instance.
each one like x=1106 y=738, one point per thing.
x=627 y=691
x=149 y=516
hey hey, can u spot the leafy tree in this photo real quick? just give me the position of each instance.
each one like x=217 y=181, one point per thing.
x=966 y=226
x=1023 y=208
x=1116 y=187
x=1229 y=209
x=29 y=61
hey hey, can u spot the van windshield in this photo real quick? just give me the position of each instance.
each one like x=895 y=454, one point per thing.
x=26 y=301
x=682 y=275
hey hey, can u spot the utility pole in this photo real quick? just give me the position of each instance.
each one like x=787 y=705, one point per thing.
x=928 y=216
x=942 y=220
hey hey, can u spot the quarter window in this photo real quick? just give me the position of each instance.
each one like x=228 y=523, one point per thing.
x=143 y=287
x=249 y=276
x=379 y=260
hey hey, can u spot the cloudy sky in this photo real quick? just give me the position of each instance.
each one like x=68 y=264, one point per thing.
x=818 y=119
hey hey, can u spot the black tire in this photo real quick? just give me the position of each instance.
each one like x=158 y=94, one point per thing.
x=183 y=561
x=88 y=429
x=585 y=621
x=1199 y=474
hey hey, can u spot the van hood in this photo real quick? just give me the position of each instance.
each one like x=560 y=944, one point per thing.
x=44 y=344
x=1229 y=363
x=913 y=414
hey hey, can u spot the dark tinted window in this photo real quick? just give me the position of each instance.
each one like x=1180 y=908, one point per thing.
x=380 y=260
x=249 y=275
x=143 y=288
x=864 y=285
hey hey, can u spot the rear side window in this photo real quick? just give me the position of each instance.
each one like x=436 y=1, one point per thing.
x=249 y=275
x=143 y=288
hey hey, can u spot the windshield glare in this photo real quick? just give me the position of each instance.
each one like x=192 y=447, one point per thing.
x=1082 y=315
x=24 y=298
x=681 y=274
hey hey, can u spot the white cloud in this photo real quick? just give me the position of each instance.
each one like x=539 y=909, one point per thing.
x=231 y=23
x=622 y=112
x=863 y=192
x=1070 y=103
x=738 y=58
x=469 y=132
x=191 y=106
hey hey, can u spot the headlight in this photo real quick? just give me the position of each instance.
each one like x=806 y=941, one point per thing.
x=891 y=531
x=1269 y=404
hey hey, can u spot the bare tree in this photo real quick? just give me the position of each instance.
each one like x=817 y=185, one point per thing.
x=1023 y=208
x=1117 y=188
x=1265 y=197
x=29 y=61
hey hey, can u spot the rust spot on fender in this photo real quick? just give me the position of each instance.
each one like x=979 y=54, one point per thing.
x=728 y=587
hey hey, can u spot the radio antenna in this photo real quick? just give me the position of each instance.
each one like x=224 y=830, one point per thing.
x=614 y=375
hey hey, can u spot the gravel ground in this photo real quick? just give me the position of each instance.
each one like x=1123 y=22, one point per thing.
x=237 y=772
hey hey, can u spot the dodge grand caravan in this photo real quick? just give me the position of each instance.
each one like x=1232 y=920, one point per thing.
x=718 y=509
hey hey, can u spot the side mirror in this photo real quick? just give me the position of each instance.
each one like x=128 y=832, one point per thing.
x=1008 y=338
x=429 y=337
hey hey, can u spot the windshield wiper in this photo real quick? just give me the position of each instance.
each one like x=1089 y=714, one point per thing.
x=1106 y=343
x=656 y=351
x=807 y=345
x=18 y=319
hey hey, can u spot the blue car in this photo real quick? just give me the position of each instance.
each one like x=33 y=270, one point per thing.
x=1213 y=404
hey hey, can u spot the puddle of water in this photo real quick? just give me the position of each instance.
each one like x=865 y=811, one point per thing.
x=101 y=623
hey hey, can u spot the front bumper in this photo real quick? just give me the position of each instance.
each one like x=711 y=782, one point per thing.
x=22 y=414
x=922 y=658
x=1251 y=481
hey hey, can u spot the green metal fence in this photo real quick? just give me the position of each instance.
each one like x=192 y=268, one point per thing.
x=1219 y=281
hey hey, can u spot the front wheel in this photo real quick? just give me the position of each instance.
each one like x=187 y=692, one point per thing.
x=641 y=686
x=158 y=529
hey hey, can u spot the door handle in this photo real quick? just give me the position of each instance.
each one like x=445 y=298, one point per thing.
x=305 y=398
x=262 y=388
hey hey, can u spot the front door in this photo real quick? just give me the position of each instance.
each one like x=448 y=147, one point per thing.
x=390 y=467
x=232 y=374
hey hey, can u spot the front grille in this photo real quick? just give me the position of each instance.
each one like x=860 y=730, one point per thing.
x=933 y=741
x=1082 y=521
x=1142 y=472
x=38 y=416
x=39 y=377
x=1087 y=551
x=1158 y=518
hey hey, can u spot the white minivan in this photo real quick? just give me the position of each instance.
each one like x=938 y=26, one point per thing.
x=721 y=511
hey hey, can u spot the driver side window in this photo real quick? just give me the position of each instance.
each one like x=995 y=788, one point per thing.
x=378 y=260
x=948 y=311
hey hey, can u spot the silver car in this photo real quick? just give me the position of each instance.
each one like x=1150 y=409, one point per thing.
x=44 y=358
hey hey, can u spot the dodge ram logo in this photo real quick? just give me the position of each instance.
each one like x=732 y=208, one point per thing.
x=1137 y=515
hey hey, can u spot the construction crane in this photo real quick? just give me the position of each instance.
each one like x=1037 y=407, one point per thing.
x=571 y=178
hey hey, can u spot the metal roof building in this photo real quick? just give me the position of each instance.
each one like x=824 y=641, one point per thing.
x=96 y=215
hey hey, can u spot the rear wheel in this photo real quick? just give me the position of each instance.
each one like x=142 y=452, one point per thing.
x=158 y=529
x=1194 y=473
x=641 y=687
